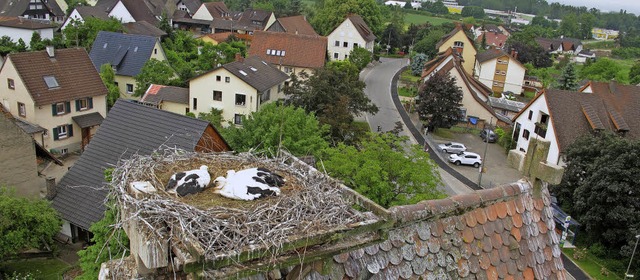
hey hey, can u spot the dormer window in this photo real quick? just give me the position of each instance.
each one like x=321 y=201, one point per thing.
x=51 y=82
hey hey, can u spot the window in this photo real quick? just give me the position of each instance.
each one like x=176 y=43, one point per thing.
x=84 y=104
x=217 y=95
x=218 y=78
x=355 y=45
x=530 y=114
x=237 y=119
x=280 y=88
x=345 y=44
x=503 y=73
x=62 y=132
x=335 y=55
x=22 y=109
x=497 y=72
x=346 y=56
x=155 y=51
x=241 y=99
x=129 y=88
x=195 y=104
x=337 y=43
x=525 y=134
x=51 y=82
x=265 y=96
x=227 y=79
x=458 y=44
x=11 y=84
x=60 y=108
x=287 y=70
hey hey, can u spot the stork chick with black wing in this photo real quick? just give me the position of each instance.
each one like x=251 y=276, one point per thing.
x=189 y=182
x=249 y=184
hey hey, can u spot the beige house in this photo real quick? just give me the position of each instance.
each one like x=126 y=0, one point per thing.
x=127 y=54
x=237 y=88
x=64 y=95
x=290 y=52
x=352 y=32
x=500 y=71
x=168 y=98
x=459 y=42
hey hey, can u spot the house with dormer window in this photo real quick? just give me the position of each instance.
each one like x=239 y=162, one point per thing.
x=289 y=52
x=58 y=92
x=34 y=9
x=238 y=88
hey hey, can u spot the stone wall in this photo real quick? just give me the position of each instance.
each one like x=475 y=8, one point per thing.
x=18 y=166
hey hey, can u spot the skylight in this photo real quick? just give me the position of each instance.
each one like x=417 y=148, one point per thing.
x=253 y=69
x=51 y=82
x=243 y=73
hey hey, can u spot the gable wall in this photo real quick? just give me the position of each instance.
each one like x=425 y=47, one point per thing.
x=120 y=12
x=515 y=77
x=468 y=53
x=202 y=13
x=75 y=16
x=18 y=157
x=468 y=102
x=11 y=97
x=345 y=32
x=538 y=106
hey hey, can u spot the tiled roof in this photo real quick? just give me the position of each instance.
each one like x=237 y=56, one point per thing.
x=263 y=78
x=88 y=120
x=23 y=23
x=548 y=44
x=503 y=103
x=143 y=28
x=158 y=93
x=608 y=100
x=300 y=50
x=146 y=10
x=362 y=28
x=127 y=52
x=217 y=9
x=129 y=128
x=14 y=8
x=297 y=25
x=493 y=39
x=72 y=68
x=192 y=5
x=92 y=11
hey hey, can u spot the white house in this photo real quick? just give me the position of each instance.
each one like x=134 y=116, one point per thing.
x=22 y=28
x=352 y=32
x=80 y=13
x=499 y=71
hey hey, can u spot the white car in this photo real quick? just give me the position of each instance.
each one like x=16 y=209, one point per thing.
x=452 y=147
x=466 y=158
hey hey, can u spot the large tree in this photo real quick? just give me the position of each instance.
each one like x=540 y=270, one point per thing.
x=83 y=33
x=569 y=78
x=333 y=12
x=440 y=101
x=427 y=44
x=599 y=189
x=155 y=72
x=25 y=223
x=107 y=74
x=603 y=69
x=275 y=126
x=634 y=74
x=7 y=46
x=383 y=169
x=360 y=57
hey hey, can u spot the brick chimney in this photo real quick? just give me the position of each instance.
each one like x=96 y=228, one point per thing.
x=239 y=57
x=51 y=188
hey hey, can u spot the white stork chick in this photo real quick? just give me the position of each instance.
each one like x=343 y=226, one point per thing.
x=189 y=182
x=249 y=184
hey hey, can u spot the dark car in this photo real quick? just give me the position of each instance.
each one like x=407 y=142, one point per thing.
x=488 y=135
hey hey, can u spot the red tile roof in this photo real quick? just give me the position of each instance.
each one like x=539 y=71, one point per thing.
x=72 y=68
x=494 y=39
x=300 y=50
x=217 y=9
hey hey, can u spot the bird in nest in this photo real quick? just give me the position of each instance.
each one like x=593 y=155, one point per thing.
x=189 y=182
x=249 y=184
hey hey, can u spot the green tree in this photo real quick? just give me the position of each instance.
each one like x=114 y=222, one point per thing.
x=275 y=126
x=427 y=44
x=82 y=34
x=360 y=57
x=72 y=4
x=440 y=101
x=335 y=94
x=569 y=78
x=25 y=223
x=569 y=27
x=587 y=22
x=7 y=46
x=634 y=74
x=604 y=70
x=437 y=7
x=383 y=169
x=36 y=44
x=155 y=72
x=473 y=11
x=599 y=189
x=417 y=63
x=334 y=12
x=214 y=117
x=108 y=75
x=483 y=42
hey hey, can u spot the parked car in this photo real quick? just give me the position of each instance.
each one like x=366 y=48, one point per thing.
x=452 y=147
x=466 y=158
x=488 y=135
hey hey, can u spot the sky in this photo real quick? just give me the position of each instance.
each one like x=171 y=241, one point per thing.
x=632 y=6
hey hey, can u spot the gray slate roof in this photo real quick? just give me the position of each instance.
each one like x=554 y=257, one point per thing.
x=127 y=52
x=92 y=11
x=88 y=120
x=511 y=105
x=143 y=28
x=263 y=78
x=129 y=128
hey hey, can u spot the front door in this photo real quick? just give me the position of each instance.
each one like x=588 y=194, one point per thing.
x=86 y=137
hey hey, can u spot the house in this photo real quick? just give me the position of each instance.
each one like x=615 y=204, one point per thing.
x=475 y=95
x=604 y=34
x=143 y=28
x=293 y=24
x=532 y=84
x=550 y=45
x=58 y=90
x=23 y=28
x=571 y=45
x=506 y=107
x=168 y=98
x=584 y=55
x=150 y=11
x=127 y=54
x=244 y=22
x=563 y=116
x=459 y=42
x=35 y=9
x=130 y=128
x=21 y=155
x=560 y=45
x=80 y=13
x=289 y=52
x=237 y=88
x=189 y=6
x=500 y=71
x=211 y=10
x=352 y=32
x=494 y=40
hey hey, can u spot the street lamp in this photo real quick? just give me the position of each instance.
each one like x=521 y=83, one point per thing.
x=626 y=274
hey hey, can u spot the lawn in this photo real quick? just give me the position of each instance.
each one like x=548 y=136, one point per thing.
x=38 y=268
x=420 y=19
x=589 y=265
x=408 y=77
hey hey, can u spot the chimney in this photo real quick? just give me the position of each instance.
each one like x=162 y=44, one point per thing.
x=513 y=51
x=51 y=51
x=515 y=55
x=239 y=57
x=51 y=188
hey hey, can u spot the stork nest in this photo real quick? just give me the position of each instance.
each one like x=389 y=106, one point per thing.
x=309 y=202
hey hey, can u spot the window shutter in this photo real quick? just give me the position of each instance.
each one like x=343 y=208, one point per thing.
x=70 y=130
x=55 y=133
x=90 y=102
x=68 y=107
x=53 y=110
x=77 y=105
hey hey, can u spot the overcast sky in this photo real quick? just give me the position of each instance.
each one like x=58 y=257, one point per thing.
x=632 y=6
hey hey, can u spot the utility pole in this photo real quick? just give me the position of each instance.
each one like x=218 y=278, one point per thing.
x=484 y=157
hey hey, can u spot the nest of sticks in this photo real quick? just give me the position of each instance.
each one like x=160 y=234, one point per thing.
x=309 y=202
